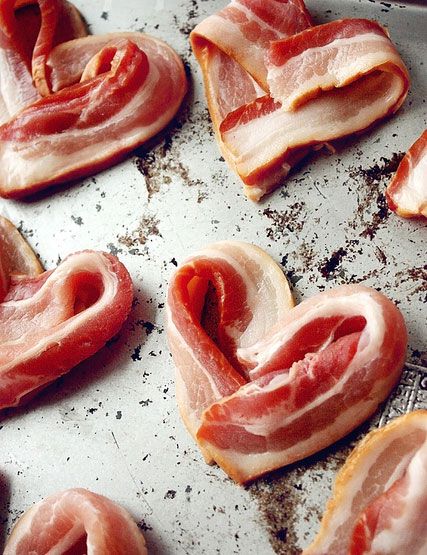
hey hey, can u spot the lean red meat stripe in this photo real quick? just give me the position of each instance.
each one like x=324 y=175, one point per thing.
x=110 y=94
x=76 y=521
x=407 y=192
x=297 y=86
x=51 y=322
x=265 y=387
x=380 y=495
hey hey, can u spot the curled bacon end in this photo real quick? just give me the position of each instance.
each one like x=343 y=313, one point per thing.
x=266 y=384
x=407 y=192
x=380 y=495
x=76 y=521
x=51 y=322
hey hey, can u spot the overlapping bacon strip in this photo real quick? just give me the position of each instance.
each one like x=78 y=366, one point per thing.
x=407 y=192
x=263 y=386
x=110 y=94
x=276 y=86
x=51 y=322
x=76 y=521
x=379 y=501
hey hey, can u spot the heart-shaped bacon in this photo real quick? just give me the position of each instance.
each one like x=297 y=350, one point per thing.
x=51 y=322
x=265 y=384
x=277 y=86
x=380 y=495
x=110 y=94
x=76 y=521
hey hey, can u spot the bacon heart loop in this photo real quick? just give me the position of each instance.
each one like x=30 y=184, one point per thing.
x=261 y=384
x=55 y=129
x=277 y=86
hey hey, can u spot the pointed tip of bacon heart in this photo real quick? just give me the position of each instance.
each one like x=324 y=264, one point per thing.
x=76 y=521
x=52 y=322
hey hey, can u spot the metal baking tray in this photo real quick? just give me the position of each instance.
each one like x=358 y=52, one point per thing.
x=111 y=425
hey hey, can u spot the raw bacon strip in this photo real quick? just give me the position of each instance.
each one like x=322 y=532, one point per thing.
x=379 y=501
x=76 y=521
x=125 y=106
x=28 y=31
x=51 y=322
x=252 y=293
x=16 y=257
x=407 y=192
x=330 y=56
x=300 y=380
x=131 y=88
x=322 y=83
x=17 y=254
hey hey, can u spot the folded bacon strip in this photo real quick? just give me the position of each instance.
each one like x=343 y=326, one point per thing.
x=76 y=521
x=120 y=90
x=379 y=501
x=51 y=322
x=407 y=192
x=317 y=84
x=267 y=387
x=28 y=31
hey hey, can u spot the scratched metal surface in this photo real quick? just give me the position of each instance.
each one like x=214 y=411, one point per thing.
x=111 y=425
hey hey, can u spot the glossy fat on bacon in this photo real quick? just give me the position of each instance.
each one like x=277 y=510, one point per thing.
x=76 y=521
x=407 y=192
x=252 y=295
x=51 y=322
x=28 y=31
x=300 y=380
x=379 y=501
x=318 y=84
x=131 y=87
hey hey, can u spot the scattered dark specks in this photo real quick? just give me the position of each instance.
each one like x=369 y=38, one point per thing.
x=170 y=494
x=77 y=220
x=119 y=415
x=145 y=403
x=104 y=15
x=283 y=222
x=372 y=210
x=112 y=249
x=144 y=527
x=174 y=262
x=147 y=228
x=136 y=355
x=331 y=264
x=91 y=411
x=98 y=207
x=148 y=327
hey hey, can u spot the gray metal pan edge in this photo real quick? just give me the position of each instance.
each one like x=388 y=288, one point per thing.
x=111 y=425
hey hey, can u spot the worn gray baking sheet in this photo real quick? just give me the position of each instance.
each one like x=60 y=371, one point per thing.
x=111 y=425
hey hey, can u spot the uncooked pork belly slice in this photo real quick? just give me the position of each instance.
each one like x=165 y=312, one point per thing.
x=407 y=192
x=267 y=384
x=299 y=86
x=121 y=89
x=379 y=501
x=76 y=521
x=51 y=322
